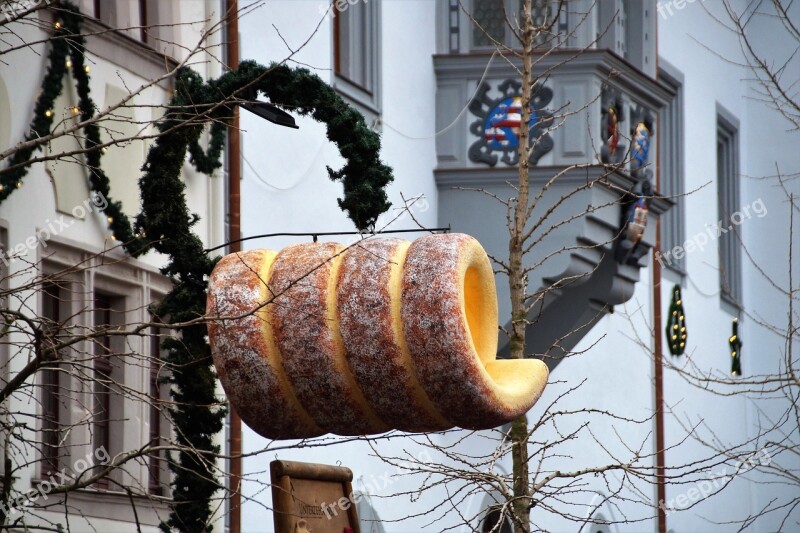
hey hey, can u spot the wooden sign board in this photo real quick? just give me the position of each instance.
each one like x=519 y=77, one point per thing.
x=313 y=498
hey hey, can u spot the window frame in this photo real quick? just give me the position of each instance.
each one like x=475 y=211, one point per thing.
x=671 y=178
x=365 y=97
x=52 y=419
x=512 y=6
x=728 y=203
x=157 y=471
x=105 y=367
x=141 y=284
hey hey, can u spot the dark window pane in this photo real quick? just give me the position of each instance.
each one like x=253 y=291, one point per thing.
x=489 y=22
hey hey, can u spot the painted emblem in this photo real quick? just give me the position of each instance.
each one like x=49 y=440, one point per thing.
x=500 y=121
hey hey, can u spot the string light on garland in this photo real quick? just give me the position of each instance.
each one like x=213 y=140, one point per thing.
x=48 y=113
x=69 y=63
x=87 y=69
x=736 y=350
x=676 y=324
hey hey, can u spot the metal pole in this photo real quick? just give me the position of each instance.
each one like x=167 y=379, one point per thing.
x=234 y=234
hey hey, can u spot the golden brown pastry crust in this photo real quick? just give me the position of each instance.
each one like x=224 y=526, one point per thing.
x=245 y=358
x=306 y=328
x=372 y=331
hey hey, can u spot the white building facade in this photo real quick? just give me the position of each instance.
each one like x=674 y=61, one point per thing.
x=413 y=67
x=53 y=225
x=417 y=70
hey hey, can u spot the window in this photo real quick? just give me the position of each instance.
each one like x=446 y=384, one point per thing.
x=670 y=179
x=106 y=310
x=496 y=522
x=628 y=28
x=488 y=23
x=51 y=386
x=356 y=50
x=110 y=377
x=730 y=255
x=130 y=17
x=156 y=467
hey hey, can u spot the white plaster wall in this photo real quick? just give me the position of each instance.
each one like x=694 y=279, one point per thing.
x=764 y=143
x=34 y=205
x=285 y=188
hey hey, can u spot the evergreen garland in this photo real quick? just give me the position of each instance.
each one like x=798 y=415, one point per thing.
x=67 y=51
x=165 y=223
x=676 y=324
x=735 y=344
x=208 y=162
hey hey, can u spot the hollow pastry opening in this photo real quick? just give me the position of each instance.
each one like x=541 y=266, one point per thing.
x=480 y=308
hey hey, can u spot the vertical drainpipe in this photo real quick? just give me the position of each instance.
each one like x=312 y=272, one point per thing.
x=234 y=233
x=658 y=373
x=659 y=384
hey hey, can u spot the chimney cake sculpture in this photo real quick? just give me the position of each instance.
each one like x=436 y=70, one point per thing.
x=385 y=334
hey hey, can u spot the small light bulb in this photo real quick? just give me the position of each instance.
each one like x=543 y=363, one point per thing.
x=674 y=313
x=75 y=110
x=19 y=185
x=110 y=219
x=48 y=113
x=69 y=63
x=58 y=25
x=683 y=344
x=2 y=187
x=104 y=149
x=678 y=302
x=674 y=337
x=87 y=69
x=113 y=237
x=675 y=326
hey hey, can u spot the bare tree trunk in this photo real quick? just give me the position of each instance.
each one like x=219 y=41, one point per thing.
x=518 y=278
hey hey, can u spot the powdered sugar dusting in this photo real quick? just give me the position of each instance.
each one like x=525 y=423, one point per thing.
x=373 y=350
x=310 y=344
x=253 y=386
x=438 y=336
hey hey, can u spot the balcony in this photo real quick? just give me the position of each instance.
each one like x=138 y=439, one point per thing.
x=581 y=256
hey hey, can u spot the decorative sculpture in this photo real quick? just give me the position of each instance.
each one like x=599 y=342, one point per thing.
x=634 y=212
x=612 y=150
x=383 y=335
x=500 y=119
x=641 y=134
x=676 y=324
x=736 y=350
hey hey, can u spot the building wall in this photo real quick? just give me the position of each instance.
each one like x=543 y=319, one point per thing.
x=697 y=45
x=285 y=188
x=58 y=191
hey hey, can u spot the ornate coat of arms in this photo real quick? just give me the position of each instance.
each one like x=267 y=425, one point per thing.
x=500 y=120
